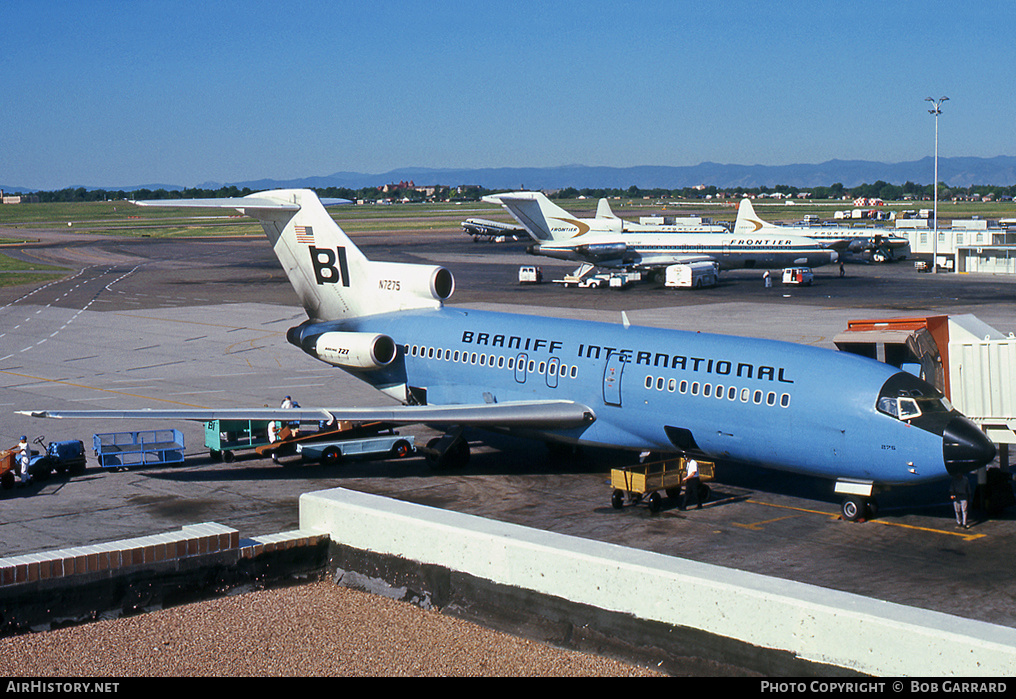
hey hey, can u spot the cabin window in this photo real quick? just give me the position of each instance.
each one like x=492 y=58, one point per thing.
x=757 y=398
x=694 y=388
x=706 y=389
x=511 y=363
x=785 y=400
x=683 y=387
x=671 y=385
x=745 y=395
x=731 y=393
x=770 y=398
x=649 y=382
x=574 y=371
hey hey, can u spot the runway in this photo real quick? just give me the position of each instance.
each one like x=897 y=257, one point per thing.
x=158 y=323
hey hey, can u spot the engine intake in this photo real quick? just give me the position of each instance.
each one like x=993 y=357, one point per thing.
x=353 y=350
x=406 y=283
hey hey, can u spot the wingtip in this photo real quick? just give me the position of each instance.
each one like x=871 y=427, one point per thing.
x=35 y=413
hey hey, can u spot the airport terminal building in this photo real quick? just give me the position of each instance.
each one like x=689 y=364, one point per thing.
x=967 y=245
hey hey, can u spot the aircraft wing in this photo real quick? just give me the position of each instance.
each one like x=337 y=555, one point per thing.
x=548 y=414
x=658 y=261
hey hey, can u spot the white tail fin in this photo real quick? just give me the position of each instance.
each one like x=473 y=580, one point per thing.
x=747 y=222
x=603 y=210
x=331 y=277
x=543 y=219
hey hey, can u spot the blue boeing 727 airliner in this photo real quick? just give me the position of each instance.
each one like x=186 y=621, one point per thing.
x=779 y=405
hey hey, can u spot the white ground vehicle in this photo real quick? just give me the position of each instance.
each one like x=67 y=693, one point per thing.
x=798 y=275
x=693 y=275
x=529 y=274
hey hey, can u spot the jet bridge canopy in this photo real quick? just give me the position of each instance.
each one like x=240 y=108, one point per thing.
x=916 y=345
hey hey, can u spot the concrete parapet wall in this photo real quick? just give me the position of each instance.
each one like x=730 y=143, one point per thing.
x=111 y=557
x=196 y=562
x=707 y=605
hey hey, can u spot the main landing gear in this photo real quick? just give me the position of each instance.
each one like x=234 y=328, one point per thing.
x=448 y=451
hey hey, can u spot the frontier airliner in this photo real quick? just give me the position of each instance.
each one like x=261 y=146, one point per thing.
x=878 y=245
x=605 y=242
x=773 y=404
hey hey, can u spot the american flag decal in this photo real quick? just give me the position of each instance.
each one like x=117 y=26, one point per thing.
x=305 y=235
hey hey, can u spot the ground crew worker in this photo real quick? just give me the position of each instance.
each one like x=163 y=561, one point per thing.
x=24 y=456
x=287 y=404
x=691 y=484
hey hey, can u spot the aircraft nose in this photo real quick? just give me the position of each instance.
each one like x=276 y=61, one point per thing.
x=964 y=447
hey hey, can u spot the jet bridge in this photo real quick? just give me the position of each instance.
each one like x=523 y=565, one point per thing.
x=970 y=362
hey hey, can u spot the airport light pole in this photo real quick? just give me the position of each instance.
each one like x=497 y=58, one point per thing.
x=934 y=245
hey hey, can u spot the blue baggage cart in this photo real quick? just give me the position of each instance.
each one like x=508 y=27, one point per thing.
x=126 y=449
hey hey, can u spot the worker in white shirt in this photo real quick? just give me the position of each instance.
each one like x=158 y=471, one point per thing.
x=691 y=485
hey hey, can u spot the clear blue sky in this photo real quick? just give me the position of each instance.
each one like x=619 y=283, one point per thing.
x=108 y=94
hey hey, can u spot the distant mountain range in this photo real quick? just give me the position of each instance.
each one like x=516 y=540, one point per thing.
x=955 y=172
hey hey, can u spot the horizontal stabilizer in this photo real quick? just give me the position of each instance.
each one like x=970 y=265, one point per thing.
x=543 y=414
x=227 y=203
x=251 y=202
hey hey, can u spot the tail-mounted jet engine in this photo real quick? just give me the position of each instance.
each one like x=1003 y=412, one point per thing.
x=351 y=350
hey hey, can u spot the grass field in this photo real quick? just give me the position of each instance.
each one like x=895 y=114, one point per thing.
x=123 y=218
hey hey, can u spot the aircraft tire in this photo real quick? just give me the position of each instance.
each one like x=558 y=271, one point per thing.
x=455 y=456
x=854 y=509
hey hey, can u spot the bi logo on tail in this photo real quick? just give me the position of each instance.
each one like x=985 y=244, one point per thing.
x=324 y=261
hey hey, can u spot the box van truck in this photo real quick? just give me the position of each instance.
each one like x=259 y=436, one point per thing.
x=693 y=275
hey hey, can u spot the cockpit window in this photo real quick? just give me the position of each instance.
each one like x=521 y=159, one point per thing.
x=906 y=397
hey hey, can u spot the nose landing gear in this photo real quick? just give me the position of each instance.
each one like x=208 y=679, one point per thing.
x=859 y=503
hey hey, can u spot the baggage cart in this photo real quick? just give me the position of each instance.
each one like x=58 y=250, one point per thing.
x=126 y=449
x=329 y=453
x=634 y=484
x=289 y=440
x=224 y=437
x=8 y=468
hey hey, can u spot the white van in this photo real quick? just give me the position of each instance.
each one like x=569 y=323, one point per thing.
x=529 y=274
x=693 y=275
x=798 y=275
